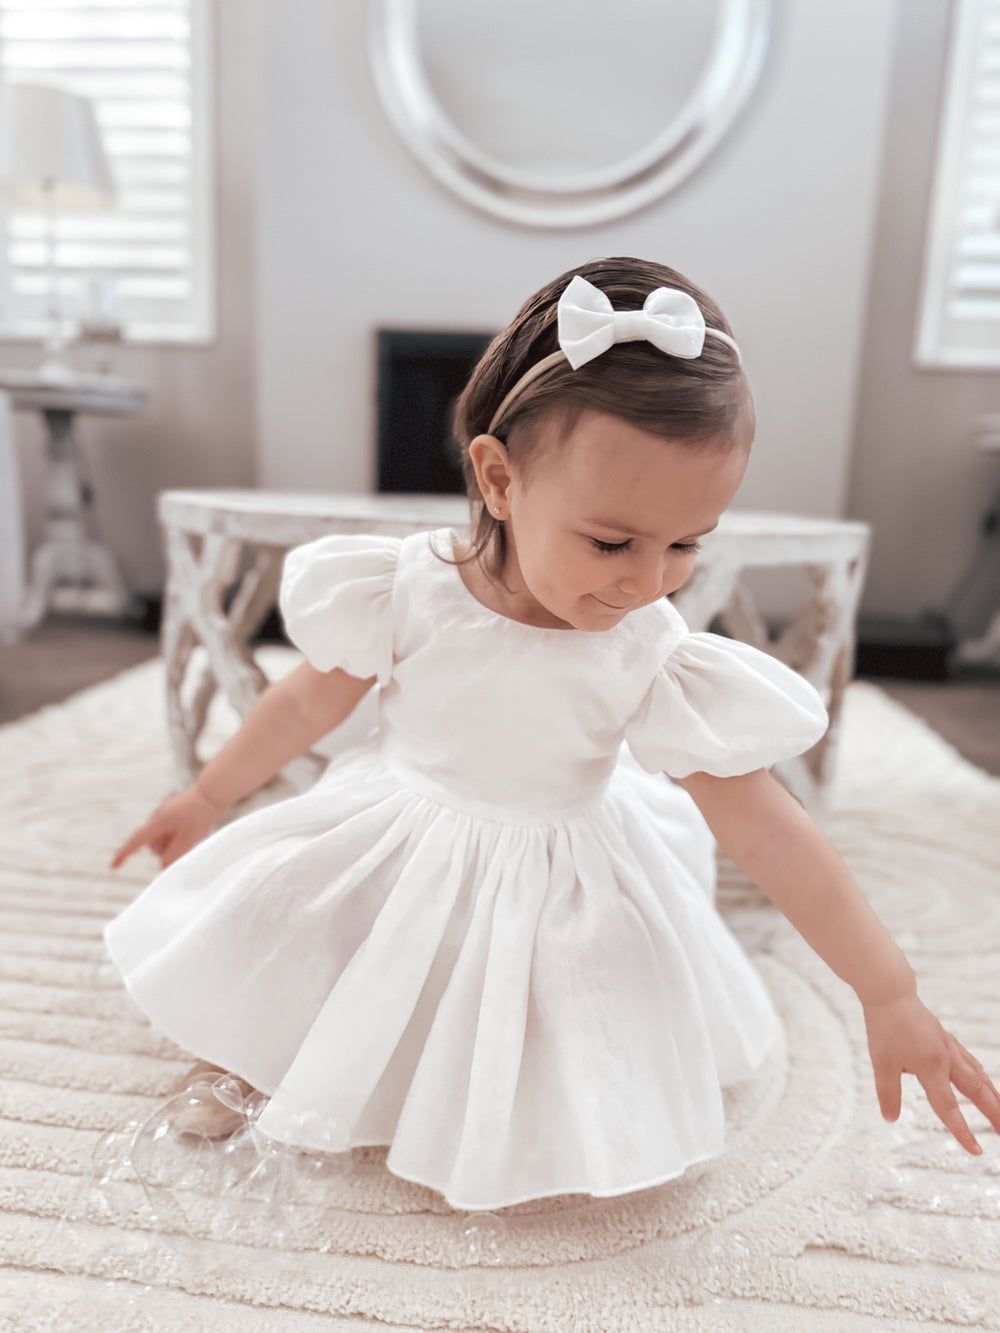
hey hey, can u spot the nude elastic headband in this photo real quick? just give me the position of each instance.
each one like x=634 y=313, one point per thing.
x=670 y=319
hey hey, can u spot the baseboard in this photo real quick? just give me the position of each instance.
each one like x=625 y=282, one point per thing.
x=918 y=649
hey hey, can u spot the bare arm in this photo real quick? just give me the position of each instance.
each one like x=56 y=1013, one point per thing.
x=771 y=838
x=289 y=717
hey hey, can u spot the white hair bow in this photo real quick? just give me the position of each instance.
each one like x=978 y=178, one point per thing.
x=588 y=325
x=670 y=319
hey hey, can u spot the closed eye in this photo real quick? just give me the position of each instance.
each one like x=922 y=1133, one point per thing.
x=608 y=547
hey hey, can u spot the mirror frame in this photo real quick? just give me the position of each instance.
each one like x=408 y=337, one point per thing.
x=573 y=201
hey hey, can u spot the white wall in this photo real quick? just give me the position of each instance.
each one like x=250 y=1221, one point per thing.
x=327 y=229
x=352 y=234
x=916 y=476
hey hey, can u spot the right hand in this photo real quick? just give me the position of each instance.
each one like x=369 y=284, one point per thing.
x=173 y=828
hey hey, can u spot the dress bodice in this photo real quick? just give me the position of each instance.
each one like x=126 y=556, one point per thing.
x=509 y=719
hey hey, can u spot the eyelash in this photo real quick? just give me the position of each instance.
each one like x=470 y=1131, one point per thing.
x=609 y=548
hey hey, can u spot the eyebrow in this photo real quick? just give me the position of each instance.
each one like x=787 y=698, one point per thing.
x=615 y=526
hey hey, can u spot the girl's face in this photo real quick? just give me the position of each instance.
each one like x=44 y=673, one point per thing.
x=606 y=519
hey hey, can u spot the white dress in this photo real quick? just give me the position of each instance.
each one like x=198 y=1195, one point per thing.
x=486 y=937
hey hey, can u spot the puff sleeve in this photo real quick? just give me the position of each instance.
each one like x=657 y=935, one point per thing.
x=336 y=601
x=720 y=706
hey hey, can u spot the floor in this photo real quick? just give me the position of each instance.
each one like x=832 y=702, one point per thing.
x=68 y=653
x=965 y=711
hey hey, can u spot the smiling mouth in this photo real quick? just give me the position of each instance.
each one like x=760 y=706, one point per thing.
x=610 y=605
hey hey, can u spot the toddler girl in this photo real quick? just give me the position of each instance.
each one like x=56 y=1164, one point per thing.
x=486 y=937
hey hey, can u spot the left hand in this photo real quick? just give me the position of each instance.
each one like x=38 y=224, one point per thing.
x=904 y=1037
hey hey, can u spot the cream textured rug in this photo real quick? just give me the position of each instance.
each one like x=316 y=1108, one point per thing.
x=818 y=1217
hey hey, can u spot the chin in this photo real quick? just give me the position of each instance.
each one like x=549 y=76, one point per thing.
x=597 y=616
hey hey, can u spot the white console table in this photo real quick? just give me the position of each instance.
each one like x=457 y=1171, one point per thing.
x=225 y=551
x=72 y=569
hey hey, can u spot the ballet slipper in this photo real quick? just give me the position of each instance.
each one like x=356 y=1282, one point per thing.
x=203 y=1071
x=211 y=1119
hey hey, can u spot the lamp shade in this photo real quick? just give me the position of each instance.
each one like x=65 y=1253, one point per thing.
x=51 y=150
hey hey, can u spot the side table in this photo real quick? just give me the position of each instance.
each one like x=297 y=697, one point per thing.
x=72 y=569
x=225 y=551
x=985 y=650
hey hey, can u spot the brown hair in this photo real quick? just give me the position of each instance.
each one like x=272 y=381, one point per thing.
x=692 y=399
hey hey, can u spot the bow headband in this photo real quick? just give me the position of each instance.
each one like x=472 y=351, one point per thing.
x=588 y=325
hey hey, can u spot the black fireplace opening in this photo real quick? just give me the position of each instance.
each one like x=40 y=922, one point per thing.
x=420 y=376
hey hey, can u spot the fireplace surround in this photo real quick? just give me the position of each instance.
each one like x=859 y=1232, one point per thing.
x=420 y=375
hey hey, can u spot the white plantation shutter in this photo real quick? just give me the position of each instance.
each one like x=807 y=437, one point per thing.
x=147 y=69
x=960 y=317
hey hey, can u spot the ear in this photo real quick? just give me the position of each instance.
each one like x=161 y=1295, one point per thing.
x=493 y=474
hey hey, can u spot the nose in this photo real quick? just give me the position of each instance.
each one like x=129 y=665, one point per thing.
x=644 y=577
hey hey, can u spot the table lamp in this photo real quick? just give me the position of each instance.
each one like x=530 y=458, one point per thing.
x=52 y=160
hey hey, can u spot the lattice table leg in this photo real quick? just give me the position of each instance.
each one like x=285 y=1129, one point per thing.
x=818 y=642
x=178 y=641
x=821 y=644
x=203 y=570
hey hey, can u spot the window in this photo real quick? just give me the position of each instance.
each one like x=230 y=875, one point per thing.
x=146 y=68
x=960 y=317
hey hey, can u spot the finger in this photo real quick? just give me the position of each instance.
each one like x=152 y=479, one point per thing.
x=129 y=848
x=889 y=1091
x=972 y=1081
x=965 y=1054
x=946 y=1108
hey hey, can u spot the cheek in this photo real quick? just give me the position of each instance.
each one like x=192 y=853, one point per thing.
x=676 y=578
x=560 y=553
x=571 y=570
x=546 y=562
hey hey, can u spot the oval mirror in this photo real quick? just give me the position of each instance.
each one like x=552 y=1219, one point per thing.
x=566 y=112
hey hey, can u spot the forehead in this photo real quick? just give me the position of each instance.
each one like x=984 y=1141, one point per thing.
x=605 y=467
